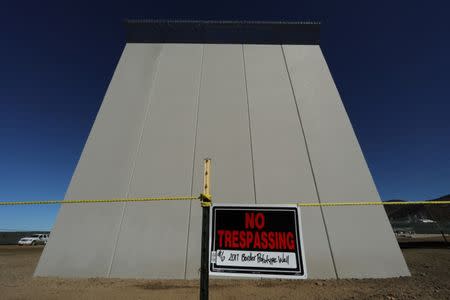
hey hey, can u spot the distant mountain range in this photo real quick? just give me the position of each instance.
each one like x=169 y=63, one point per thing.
x=443 y=198
x=416 y=213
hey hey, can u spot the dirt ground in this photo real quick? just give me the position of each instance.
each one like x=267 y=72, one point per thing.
x=430 y=279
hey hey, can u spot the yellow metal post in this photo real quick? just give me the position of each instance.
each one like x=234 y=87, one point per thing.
x=205 y=199
x=206 y=178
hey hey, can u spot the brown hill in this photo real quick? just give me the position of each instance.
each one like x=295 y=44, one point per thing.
x=421 y=217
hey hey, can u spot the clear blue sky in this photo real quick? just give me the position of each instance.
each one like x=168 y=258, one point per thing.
x=390 y=61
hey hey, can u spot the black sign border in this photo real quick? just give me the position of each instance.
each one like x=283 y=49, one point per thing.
x=298 y=272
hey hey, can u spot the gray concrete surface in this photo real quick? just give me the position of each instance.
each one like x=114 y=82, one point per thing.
x=84 y=236
x=273 y=123
x=362 y=240
x=158 y=231
x=282 y=169
x=223 y=135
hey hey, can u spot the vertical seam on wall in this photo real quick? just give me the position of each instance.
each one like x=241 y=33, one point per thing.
x=113 y=256
x=310 y=162
x=193 y=160
x=249 y=123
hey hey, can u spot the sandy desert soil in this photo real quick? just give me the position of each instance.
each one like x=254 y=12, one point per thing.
x=430 y=279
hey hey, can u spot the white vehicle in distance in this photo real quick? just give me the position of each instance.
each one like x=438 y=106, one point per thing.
x=34 y=239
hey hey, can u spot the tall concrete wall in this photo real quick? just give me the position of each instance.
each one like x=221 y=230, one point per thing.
x=273 y=123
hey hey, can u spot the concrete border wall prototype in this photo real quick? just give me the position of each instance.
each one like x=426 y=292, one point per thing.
x=271 y=119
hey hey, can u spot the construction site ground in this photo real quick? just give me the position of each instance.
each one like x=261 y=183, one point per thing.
x=429 y=266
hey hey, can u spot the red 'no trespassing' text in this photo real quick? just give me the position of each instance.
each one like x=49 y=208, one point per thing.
x=258 y=239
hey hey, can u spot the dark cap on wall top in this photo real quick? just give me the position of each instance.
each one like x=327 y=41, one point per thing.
x=222 y=32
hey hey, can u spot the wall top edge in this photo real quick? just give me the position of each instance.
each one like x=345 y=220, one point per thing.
x=222 y=32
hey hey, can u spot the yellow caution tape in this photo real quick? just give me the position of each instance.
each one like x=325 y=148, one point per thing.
x=99 y=200
x=373 y=203
x=206 y=201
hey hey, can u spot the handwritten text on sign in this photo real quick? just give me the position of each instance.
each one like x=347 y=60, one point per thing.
x=255 y=259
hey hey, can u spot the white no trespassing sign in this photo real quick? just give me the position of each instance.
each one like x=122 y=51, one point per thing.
x=256 y=241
